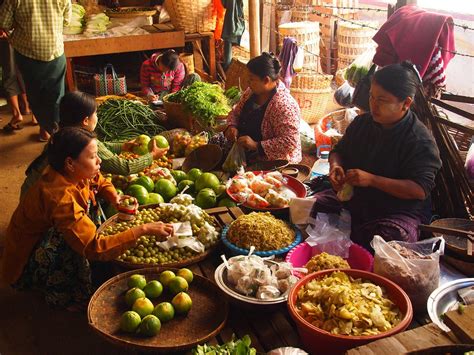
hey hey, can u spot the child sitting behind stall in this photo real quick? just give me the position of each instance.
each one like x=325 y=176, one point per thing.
x=164 y=73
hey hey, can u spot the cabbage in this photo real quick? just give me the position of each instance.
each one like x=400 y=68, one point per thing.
x=72 y=30
x=76 y=24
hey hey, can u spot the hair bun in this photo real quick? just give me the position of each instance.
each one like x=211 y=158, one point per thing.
x=276 y=64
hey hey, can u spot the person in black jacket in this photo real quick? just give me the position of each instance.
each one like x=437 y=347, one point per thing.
x=391 y=160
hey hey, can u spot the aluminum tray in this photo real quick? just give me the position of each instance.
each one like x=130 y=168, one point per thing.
x=445 y=298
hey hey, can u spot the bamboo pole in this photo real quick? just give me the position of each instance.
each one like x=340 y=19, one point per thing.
x=254 y=27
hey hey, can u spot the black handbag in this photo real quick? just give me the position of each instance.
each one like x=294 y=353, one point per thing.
x=360 y=97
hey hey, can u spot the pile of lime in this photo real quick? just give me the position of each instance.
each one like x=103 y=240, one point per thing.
x=145 y=317
x=147 y=251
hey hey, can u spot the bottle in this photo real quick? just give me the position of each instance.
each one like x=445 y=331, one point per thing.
x=321 y=166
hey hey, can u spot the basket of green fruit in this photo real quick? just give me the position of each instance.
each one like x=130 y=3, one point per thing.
x=180 y=252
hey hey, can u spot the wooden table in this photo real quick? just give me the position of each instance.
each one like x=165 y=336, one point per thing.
x=122 y=44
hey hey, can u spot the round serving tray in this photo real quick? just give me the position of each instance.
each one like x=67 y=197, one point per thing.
x=241 y=251
x=220 y=276
x=445 y=298
x=131 y=266
x=204 y=321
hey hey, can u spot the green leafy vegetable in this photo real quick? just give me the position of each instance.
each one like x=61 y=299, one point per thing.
x=204 y=101
x=232 y=347
x=120 y=120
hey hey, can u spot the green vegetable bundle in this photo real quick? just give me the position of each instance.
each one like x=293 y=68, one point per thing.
x=203 y=100
x=233 y=94
x=121 y=120
x=233 y=347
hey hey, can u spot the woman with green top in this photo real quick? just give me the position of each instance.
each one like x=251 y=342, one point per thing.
x=78 y=109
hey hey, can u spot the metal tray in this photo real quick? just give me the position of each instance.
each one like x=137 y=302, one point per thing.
x=445 y=298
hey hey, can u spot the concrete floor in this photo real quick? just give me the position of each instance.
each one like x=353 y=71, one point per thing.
x=27 y=324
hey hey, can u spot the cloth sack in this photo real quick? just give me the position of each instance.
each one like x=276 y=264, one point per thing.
x=110 y=84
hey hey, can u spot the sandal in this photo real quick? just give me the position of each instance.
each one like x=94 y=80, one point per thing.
x=10 y=127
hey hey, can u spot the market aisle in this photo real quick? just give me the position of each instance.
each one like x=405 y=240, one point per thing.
x=28 y=325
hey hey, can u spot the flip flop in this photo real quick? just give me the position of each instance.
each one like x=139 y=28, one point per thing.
x=10 y=127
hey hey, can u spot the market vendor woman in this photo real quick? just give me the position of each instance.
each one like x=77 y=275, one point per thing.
x=391 y=160
x=51 y=235
x=163 y=74
x=266 y=119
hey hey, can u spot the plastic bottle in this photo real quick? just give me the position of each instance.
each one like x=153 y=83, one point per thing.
x=321 y=166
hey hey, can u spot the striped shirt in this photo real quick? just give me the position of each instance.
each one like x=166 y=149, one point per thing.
x=111 y=163
x=37 y=26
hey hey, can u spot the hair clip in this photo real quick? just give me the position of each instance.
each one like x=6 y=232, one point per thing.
x=415 y=69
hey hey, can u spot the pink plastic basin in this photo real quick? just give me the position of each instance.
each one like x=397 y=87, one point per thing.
x=359 y=258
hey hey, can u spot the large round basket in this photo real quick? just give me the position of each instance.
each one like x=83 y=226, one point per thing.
x=192 y=15
x=313 y=93
x=131 y=266
x=237 y=74
x=204 y=321
x=307 y=35
x=353 y=39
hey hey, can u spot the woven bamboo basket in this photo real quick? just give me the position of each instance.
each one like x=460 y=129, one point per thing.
x=353 y=40
x=237 y=74
x=313 y=92
x=192 y=15
x=300 y=14
x=306 y=35
x=188 y=60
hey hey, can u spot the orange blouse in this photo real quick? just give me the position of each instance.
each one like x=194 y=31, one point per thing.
x=55 y=202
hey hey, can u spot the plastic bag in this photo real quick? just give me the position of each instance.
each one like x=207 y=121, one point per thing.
x=308 y=143
x=235 y=159
x=413 y=266
x=180 y=142
x=331 y=233
x=299 y=60
x=343 y=94
x=359 y=67
x=197 y=141
x=287 y=351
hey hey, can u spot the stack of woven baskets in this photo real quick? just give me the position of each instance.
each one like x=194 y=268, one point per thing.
x=192 y=16
x=353 y=39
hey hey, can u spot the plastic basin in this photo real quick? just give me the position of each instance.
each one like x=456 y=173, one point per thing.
x=318 y=341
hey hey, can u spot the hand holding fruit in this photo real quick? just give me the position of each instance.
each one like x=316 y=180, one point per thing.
x=156 y=152
x=337 y=176
x=128 y=146
x=153 y=97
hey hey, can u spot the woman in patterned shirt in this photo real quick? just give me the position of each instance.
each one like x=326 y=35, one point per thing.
x=266 y=119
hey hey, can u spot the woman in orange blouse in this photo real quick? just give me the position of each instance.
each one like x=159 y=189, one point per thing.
x=51 y=237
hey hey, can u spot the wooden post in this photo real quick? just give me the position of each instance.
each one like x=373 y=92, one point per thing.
x=254 y=27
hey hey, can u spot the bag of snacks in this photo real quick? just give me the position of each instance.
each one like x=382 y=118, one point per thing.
x=413 y=266
x=180 y=142
x=197 y=141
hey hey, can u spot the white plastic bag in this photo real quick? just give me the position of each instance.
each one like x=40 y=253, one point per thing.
x=413 y=266
x=360 y=67
x=235 y=159
x=299 y=60
x=331 y=233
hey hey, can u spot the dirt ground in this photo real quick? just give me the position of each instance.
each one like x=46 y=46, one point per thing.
x=27 y=324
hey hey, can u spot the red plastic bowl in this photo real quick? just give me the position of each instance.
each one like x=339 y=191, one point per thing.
x=293 y=184
x=359 y=258
x=318 y=341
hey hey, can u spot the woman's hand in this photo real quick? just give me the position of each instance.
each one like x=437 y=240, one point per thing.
x=248 y=143
x=156 y=152
x=337 y=177
x=152 y=98
x=128 y=146
x=231 y=133
x=357 y=177
x=158 y=229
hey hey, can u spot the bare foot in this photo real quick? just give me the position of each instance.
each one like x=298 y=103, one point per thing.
x=43 y=135
x=34 y=121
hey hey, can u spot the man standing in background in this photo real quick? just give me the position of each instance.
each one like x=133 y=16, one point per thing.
x=37 y=38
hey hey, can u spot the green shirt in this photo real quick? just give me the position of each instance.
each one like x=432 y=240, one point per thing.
x=37 y=26
x=111 y=163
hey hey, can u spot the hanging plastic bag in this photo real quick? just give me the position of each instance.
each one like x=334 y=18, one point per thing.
x=330 y=232
x=308 y=143
x=412 y=266
x=343 y=95
x=359 y=67
x=299 y=60
x=197 y=141
x=235 y=159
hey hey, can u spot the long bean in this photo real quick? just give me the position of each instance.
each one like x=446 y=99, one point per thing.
x=120 y=120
